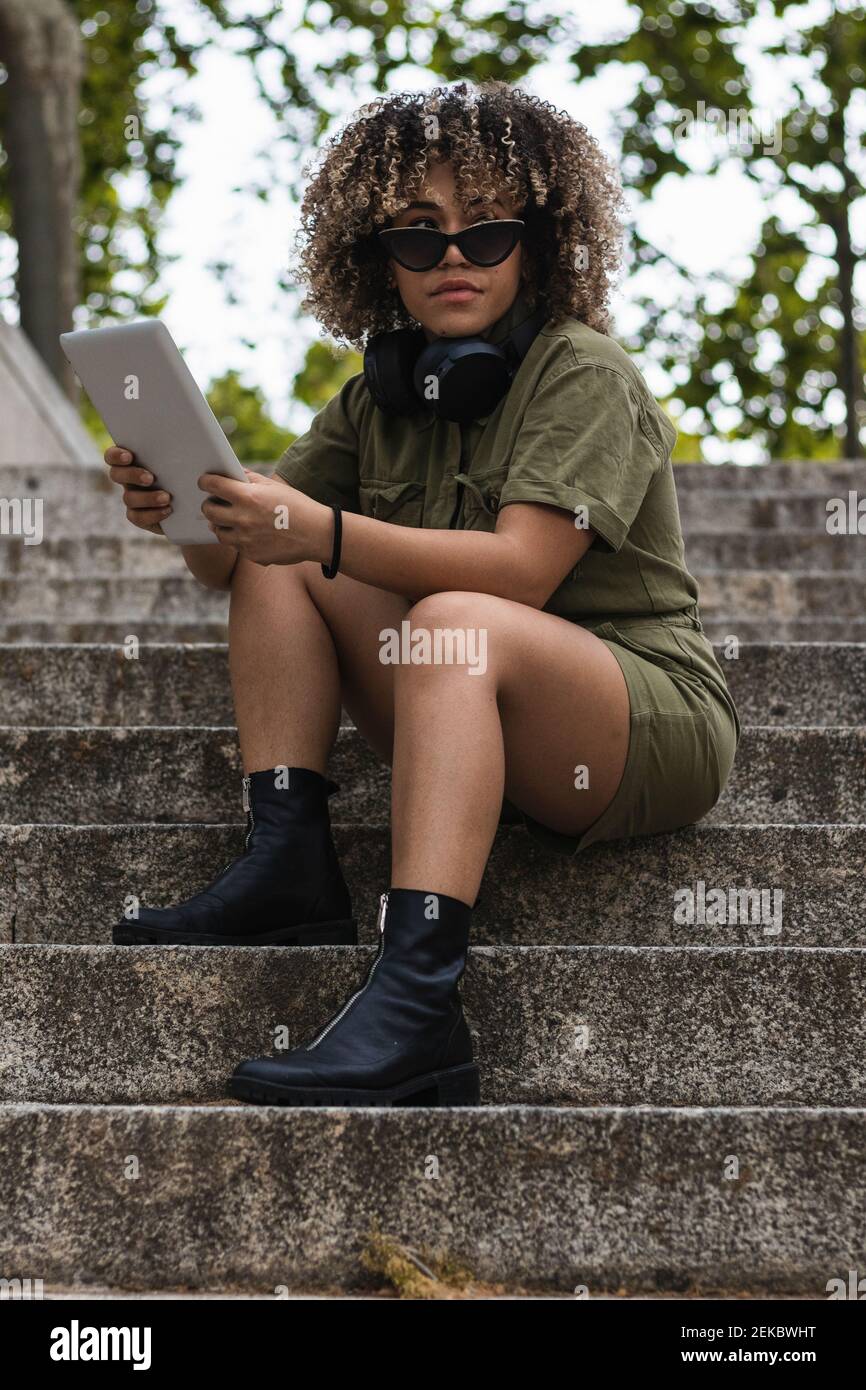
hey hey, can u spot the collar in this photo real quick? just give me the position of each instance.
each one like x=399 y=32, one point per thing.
x=519 y=310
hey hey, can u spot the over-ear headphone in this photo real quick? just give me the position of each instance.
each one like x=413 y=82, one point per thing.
x=469 y=375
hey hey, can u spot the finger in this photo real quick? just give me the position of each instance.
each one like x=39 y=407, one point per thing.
x=128 y=474
x=116 y=453
x=229 y=488
x=147 y=497
x=147 y=516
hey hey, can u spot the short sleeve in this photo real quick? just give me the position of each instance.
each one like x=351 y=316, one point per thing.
x=582 y=442
x=323 y=463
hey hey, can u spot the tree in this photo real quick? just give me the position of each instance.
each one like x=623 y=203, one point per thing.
x=784 y=351
x=74 y=122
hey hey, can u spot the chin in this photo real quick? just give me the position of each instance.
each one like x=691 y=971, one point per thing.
x=458 y=320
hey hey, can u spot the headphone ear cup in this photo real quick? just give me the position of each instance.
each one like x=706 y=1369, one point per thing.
x=389 y=364
x=428 y=363
x=472 y=376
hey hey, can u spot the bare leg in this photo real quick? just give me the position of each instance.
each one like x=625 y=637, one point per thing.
x=300 y=646
x=552 y=698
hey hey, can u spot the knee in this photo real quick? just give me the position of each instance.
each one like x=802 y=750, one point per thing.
x=452 y=608
x=448 y=631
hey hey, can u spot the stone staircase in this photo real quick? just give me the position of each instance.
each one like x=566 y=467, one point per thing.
x=667 y=1106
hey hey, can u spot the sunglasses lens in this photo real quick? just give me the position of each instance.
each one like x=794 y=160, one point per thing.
x=489 y=242
x=415 y=248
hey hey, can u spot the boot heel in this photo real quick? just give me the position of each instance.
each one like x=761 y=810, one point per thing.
x=459 y=1086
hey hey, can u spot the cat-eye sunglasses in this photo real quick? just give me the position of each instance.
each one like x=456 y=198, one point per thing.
x=422 y=248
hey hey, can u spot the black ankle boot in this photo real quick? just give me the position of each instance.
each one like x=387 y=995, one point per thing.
x=286 y=889
x=401 y=1039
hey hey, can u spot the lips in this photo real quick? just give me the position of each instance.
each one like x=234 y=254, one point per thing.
x=456 y=285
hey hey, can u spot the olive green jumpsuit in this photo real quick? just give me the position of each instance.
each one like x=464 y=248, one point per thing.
x=578 y=429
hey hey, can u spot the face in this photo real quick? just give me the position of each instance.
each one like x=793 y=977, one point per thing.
x=441 y=315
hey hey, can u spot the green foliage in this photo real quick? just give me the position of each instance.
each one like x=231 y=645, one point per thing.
x=324 y=371
x=764 y=367
x=242 y=413
x=779 y=345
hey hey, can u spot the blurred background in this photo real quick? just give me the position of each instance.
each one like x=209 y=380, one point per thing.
x=152 y=154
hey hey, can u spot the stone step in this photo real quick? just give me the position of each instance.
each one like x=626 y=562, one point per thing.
x=152 y=558
x=631 y=892
x=155 y=631
x=58 y=557
x=115 y=597
x=772 y=683
x=731 y=511
x=748 y=593
x=661 y=1200
x=794 y=475
x=582 y=1025
x=775 y=550
x=42 y=631
x=785 y=630
x=759 y=593
x=780 y=776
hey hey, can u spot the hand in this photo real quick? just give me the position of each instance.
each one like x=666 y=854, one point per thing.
x=269 y=522
x=144 y=503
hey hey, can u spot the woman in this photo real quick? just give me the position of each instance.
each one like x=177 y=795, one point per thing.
x=539 y=537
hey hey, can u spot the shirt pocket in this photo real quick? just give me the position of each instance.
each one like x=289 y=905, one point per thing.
x=481 y=493
x=401 y=503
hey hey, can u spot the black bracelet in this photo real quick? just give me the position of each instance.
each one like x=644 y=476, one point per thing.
x=330 y=570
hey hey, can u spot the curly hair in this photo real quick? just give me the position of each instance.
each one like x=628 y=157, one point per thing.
x=495 y=136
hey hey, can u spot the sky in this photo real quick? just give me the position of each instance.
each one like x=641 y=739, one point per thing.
x=708 y=223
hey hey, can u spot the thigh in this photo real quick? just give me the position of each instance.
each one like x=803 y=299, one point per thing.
x=355 y=614
x=565 y=713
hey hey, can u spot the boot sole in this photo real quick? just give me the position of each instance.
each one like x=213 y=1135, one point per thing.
x=342 y=933
x=455 y=1086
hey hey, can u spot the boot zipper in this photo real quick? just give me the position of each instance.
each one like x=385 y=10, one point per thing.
x=383 y=904
x=249 y=810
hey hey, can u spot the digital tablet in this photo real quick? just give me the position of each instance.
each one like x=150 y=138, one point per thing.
x=151 y=405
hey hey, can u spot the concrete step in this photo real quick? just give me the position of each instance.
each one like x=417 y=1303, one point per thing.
x=150 y=557
x=58 y=557
x=730 y=511
x=730 y=1032
x=159 y=631
x=116 y=597
x=780 y=776
x=42 y=631
x=775 y=630
x=775 y=550
x=772 y=683
x=584 y=1025
x=749 y=593
x=779 y=595
x=795 y=475
x=622 y=1199
x=631 y=892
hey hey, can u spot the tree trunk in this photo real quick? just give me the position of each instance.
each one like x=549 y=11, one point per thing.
x=849 y=346
x=41 y=47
